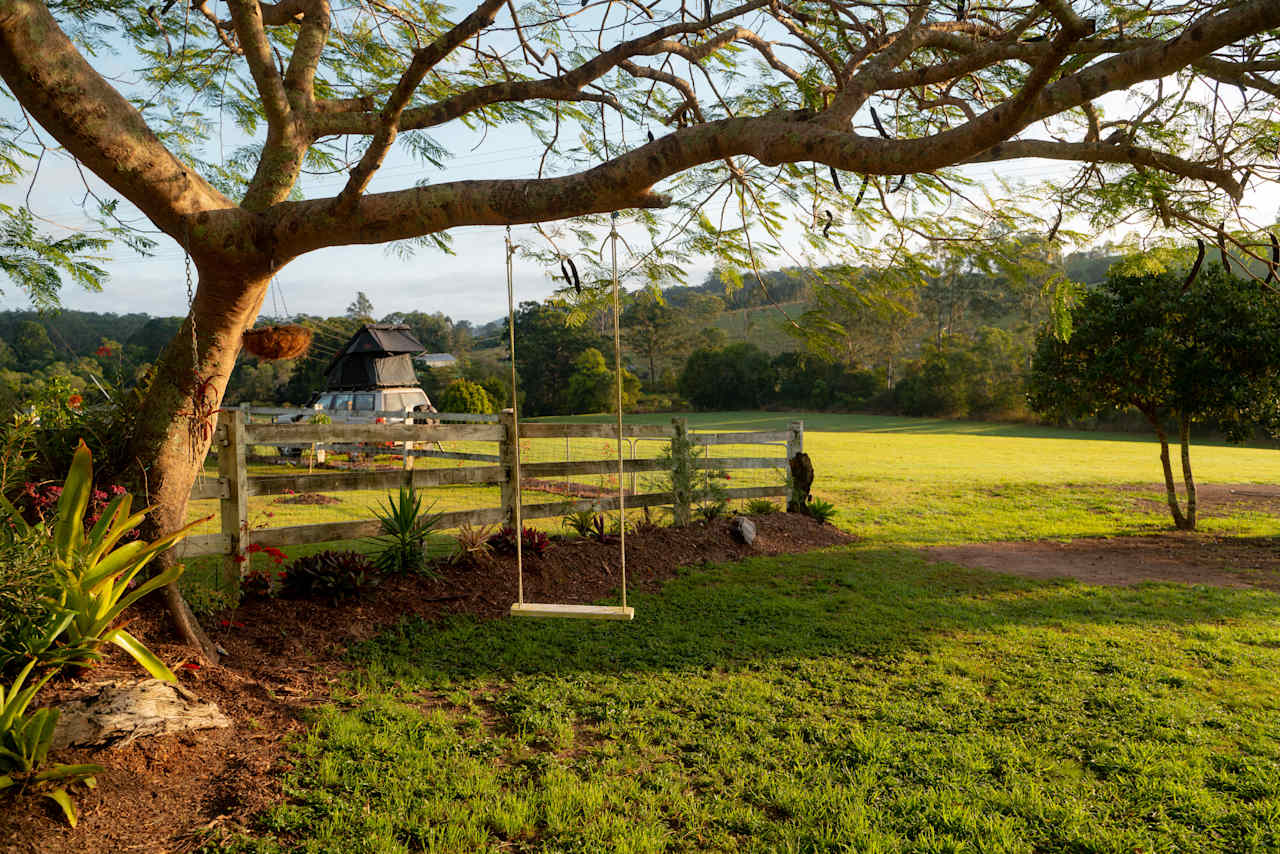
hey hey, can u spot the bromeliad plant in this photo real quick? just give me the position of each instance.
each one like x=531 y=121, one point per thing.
x=94 y=571
x=89 y=588
x=473 y=543
x=404 y=528
x=25 y=739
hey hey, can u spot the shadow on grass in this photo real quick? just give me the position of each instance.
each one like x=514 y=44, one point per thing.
x=858 y=602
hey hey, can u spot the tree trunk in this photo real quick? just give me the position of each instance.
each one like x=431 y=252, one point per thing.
x=1185 y=435
x=174 y=426
x=1179 y=520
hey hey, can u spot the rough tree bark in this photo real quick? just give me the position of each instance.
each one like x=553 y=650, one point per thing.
x=175 y=425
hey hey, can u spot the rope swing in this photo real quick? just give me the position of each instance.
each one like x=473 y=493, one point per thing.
x=587 y=612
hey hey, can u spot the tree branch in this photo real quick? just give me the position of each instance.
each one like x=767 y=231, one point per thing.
x=1101 y=152
x=94 y=122
x=389 y=119
x=561 y=87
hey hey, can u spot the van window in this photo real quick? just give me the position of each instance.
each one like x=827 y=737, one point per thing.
x=364 y=403
x=393 y=402
x=342 y=402
x=324 y=401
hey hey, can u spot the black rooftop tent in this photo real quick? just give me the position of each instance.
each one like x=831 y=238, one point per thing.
x=377 y=356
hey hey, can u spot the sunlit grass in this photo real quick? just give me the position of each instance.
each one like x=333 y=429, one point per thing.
x=859 y=699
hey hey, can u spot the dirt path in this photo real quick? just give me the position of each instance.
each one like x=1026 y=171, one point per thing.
x=1173 y=556
x=1176 y=557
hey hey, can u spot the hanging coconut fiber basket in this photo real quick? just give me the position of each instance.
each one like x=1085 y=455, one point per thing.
x=278 y=342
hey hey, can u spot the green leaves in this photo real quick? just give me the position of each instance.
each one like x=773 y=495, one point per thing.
x=25 y=740
x=97 y=573
x=405 y=528
x=148 y=659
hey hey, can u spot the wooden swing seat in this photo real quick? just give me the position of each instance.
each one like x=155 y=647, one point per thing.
x=582 y=612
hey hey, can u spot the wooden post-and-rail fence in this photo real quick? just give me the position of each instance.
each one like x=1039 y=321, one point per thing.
x=234 y=486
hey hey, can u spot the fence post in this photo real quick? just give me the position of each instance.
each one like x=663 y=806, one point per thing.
x=682 y=474
x=507 y=459
x=795 y=446
x=408 y=453
x=234 y=476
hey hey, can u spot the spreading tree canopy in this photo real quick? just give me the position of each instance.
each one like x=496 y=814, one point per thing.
x=729 y=116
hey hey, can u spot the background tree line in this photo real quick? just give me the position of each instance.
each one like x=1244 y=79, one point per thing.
x=955 y=339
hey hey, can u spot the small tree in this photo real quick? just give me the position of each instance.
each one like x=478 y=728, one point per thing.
x=465 y=396
x=739 y=376
x=1201 y=350
x=591 y=387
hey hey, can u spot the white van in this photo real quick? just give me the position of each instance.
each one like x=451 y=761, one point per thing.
x=360 y=406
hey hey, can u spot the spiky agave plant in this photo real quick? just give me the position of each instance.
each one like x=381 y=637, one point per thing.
x=404 y=528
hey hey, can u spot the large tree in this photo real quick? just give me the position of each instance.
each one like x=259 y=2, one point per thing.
x=641 y=106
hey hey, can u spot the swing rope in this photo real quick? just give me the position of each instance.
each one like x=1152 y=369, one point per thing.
x=617 y=373
x=515 y=420
x=599 y=612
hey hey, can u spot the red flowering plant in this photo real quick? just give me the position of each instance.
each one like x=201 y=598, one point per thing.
x=39 y=501
x=532 y=541
x=261 y=583
x=264 y=578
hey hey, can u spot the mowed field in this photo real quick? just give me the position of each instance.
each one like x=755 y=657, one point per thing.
x=862 y=698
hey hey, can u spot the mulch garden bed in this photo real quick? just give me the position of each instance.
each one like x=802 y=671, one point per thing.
x=177 y=792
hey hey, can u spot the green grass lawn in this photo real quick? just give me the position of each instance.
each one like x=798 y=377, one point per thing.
x=857 y=699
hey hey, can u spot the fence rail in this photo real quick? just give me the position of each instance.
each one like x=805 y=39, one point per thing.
x=236 y=433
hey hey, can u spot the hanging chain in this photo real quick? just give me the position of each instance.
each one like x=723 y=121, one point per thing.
x=191 y=311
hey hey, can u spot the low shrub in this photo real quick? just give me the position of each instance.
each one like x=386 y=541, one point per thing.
x=761 y=507
x=261 y=583
x=823 y=511
x=532 y=541
x=97 y=572
x=462 y=395
x=329 y=575
x=712 y=509
x=473 y=543
x=26 y=576
x=589 y=523
x=582 y=523
x=25 y=740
